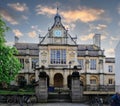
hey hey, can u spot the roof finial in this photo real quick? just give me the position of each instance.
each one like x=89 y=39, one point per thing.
x=57 y=8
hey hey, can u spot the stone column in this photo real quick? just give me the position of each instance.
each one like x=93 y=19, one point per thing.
x=76 y=88
x=41 y=89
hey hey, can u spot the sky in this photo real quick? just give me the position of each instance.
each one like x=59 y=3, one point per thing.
x=83 y=18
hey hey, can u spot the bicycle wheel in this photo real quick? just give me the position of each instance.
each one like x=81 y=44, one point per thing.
x=9 y=101
x=29 y=103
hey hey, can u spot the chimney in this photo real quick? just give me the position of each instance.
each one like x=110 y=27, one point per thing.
x=16 y=39
x=97 y=40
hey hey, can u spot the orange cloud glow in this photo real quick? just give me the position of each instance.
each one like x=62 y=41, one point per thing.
x=18 y=6
x=83 y=14
x=87 y=37
x=17 y=32
x=32 y=34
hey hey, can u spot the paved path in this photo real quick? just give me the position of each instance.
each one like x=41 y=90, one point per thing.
x=52 y=104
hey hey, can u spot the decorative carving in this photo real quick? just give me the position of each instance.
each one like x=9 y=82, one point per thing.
x=87 y=61
x=43 y=61
x=72 y=54
x=44 y=53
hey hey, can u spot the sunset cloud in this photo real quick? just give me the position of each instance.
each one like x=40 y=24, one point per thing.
x=101 y=26
x=97 y=27
x=17 y=32
x=70 y=26
x=87 y=37
x=45 y=10
x=21 y=7
x=103 y=37
x=32 y=34
x=110 y=52
x=8 y=17
x=114 y=38
x=83 y=14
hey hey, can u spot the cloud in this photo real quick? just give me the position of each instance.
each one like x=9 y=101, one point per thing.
x=83 y=14
x=17 y=32
x=87 y=37
x=103 y=37
x=21 y=7
x=70 y=26
x=118 y=9
x=101 y=26
x=32 y=34
x=110 y=52
x=24 y=17
x=35 y=27
x=9 y=43
x=8 y=17
x=97 y=27
x=45 y=10
x=114 y=38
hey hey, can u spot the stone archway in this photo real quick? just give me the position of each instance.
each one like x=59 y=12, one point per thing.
x=58 y=80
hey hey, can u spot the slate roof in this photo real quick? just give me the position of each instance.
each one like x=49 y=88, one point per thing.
x=81 y=51
x=92 y=50
x=23 y=47
x=110 y=60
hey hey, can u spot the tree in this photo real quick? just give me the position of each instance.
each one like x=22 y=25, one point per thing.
x=9 y=64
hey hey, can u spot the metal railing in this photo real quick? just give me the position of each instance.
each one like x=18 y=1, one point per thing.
x=99 y=88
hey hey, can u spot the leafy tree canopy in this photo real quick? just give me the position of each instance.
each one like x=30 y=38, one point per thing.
x=9 y=64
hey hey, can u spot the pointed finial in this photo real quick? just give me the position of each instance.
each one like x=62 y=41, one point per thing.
x=57 y=9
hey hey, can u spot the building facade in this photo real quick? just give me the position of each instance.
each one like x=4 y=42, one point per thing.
x=59 y=53
x=117 y=67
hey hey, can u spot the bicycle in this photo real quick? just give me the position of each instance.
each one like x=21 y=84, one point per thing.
x=13 y=99
x=27 y=100
x=3 y=99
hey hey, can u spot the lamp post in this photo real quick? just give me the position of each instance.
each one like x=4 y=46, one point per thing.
x=27 y=63
x=70 y=66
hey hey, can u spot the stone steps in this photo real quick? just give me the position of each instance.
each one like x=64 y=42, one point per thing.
x=59 y=97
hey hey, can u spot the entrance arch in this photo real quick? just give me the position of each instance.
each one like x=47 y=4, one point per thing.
x=58 y=80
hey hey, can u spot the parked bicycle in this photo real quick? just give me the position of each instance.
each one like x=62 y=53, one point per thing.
x=97 y=101
x=22 y=100
x=13 y=99
x=3 y=99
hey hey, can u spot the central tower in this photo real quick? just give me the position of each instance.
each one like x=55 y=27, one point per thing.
x=57 y=49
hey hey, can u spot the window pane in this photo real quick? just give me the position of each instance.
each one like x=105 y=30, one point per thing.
x=93 y=64
x=81 y=63
x=58 y=56
x=110 y=68
x=22 y=62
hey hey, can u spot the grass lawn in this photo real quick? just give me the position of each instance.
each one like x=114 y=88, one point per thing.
x=19 y=92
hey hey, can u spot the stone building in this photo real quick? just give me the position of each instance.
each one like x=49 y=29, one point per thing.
x=59 y=53
x=117 y=67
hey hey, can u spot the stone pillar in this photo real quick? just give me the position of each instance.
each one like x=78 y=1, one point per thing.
x=76 y=88
x=41 y=89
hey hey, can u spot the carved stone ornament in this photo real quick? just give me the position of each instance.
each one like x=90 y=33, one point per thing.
x=43 y=53
x=43 y=61
x=72 y=54
x=87 y=61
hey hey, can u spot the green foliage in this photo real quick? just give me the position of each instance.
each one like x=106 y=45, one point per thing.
x=9 y=64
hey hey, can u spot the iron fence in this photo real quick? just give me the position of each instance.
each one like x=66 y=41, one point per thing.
x=99 y=88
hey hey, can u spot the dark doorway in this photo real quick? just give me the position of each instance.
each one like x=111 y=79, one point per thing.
x=58 y=80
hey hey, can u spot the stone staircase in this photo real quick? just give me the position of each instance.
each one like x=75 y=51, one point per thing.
x=59 y=96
